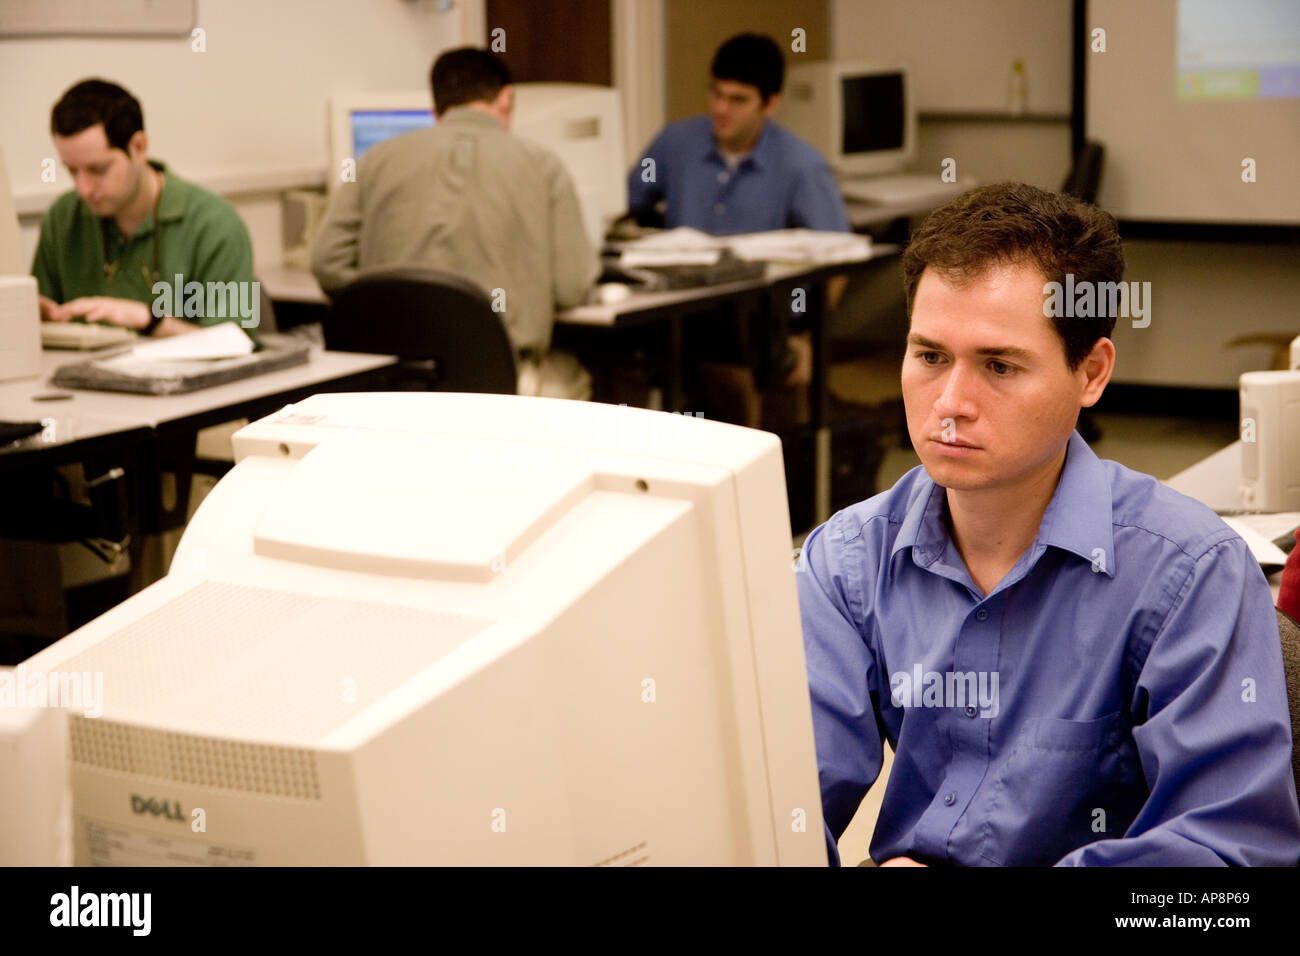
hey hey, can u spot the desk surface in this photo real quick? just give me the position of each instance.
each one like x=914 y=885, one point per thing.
x=1214 y=481
x=293 y=284
x=87 y=414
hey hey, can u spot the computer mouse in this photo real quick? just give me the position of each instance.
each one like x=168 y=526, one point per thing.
x=611 y=293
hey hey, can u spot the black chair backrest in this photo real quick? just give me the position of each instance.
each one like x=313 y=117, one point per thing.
x=1289 y=631
x=1084 y=179
x=439 y=323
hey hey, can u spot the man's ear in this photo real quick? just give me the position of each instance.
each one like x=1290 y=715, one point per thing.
x=505 y=103
x=772 y=103
x=1096 y=369
x=137 y=147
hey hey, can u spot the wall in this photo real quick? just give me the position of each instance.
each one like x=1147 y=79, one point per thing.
x=1204 y=294
x=248 y=116
x=696 y=29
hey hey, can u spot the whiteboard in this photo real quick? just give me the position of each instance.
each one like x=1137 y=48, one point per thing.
x=97 y=17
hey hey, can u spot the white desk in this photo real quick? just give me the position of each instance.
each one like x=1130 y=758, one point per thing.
x=1215 y=481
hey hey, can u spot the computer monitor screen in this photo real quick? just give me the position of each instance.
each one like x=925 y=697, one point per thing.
x=860 y=116
x=873 y=113
x=374 y=126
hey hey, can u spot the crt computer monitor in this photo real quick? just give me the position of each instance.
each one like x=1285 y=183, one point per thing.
x=581 y=123
x=431 y=628
x=860 y=116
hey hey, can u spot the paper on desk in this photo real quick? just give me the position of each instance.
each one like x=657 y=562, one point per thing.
x=800 y=245
x=1264 y=550
x=682 y=246
x=223 y=340
x=181 y=354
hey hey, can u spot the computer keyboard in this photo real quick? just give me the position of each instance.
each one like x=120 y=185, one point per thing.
x=899 y=188
x=83 y=335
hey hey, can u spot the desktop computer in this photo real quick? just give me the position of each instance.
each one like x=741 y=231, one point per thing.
x=862 y=118
x=432 y=628
x=20 y=314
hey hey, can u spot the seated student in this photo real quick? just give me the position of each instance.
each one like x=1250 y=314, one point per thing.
x=732 y=171
x=1074 y=664
x=132 y=222
x=467 y=197
x=735 y=170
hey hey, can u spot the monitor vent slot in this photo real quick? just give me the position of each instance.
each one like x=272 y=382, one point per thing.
x=638 y=855
x=196 y=761
x=588 y=128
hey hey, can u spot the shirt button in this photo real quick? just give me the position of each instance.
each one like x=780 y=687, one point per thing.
x=723 y=177
x=970 y=711
x=982 y=614
x=949 y=799
x=720 y=208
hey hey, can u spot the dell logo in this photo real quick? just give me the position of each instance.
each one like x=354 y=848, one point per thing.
x=168 y=809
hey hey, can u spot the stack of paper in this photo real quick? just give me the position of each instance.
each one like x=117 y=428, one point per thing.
x=801 y=245
x=686 y=246
x=682 y=246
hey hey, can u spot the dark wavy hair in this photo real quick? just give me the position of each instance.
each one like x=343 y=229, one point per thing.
x=1016 y=224
x=98 y=101
x=751 y=58
x=466 y=75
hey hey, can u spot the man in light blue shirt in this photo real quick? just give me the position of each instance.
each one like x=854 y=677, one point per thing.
x=735 y=170
x=1073 y=664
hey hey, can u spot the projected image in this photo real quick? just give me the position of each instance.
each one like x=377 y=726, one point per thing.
x=1245 y=50
x=374 y=126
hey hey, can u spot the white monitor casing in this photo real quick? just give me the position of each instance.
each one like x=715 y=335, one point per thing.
x=812 y=107
x=464 y=629
x=1270 y=440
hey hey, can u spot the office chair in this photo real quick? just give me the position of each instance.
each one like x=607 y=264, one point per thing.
x=440 y=325
x=1290 y=634
x=1084 y=178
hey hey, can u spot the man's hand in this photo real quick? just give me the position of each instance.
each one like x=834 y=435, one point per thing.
x=801 y=373
x=902 y=861
x=49 y=309
x=100 y=308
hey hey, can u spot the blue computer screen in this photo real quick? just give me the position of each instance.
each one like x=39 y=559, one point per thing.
x=374 y=126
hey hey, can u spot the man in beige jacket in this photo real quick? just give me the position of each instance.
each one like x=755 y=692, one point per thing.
x=469 y=198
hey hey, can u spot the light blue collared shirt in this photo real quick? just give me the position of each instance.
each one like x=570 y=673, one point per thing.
x=1117 y=699
x=783 y=183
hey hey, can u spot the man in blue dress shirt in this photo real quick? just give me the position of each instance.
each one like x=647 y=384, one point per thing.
x=1073 y=664
x=735 y=170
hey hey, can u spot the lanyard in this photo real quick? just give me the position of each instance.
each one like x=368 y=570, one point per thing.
x=110 y=268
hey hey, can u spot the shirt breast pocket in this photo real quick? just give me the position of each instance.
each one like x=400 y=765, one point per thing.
x=1065 y=783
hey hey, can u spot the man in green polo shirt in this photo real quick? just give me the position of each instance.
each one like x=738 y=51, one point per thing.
x=135 y=245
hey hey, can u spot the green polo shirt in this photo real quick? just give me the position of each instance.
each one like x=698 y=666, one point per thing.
x=202 y=239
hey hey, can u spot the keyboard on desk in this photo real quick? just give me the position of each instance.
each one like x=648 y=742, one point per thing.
x=899 y=188
x=83 y=335
x=728 y=268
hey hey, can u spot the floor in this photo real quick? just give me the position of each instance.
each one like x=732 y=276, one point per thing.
x=1158 y=445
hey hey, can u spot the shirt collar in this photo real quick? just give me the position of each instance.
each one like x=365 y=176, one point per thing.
x=759 y=157
x=467 y=116
x=1078 y=519
x=175 y=194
